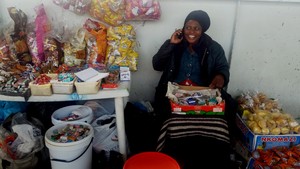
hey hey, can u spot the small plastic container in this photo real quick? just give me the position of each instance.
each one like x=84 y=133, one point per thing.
x=87 y=87
x=62 y=87
x=59 y=87
x=40 y=90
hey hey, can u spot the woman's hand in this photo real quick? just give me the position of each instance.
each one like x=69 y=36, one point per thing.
x=218 y=82
x=177 y=36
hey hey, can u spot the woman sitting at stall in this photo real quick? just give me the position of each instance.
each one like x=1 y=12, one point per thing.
x=192 y=58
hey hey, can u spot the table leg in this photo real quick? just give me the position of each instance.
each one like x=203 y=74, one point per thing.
x=119 y=106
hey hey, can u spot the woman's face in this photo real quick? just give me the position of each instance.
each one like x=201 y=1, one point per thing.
x=192 y=31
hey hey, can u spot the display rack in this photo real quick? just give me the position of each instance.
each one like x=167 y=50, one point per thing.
x=120 y=96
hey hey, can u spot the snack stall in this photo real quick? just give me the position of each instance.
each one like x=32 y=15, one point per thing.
x=46 y=62
x=83 y=50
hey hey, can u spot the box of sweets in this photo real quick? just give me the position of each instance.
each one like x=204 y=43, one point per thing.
x=253 y=141
x=218 y=109
x=198 y=100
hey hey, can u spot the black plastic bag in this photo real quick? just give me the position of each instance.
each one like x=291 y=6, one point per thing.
x=142 y=129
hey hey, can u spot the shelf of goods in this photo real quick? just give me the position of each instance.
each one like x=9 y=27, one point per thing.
x=120 y=96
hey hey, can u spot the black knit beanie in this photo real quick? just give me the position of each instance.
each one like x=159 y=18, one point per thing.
x=200 y=16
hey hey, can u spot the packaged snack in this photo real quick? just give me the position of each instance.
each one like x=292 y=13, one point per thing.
x=4 y=49
x=79 y=7
x=121 y=50
x=142 y=10
x=53 y=52
x=18 y=47
x=96 y=42
x=42 y=26
x=31 y=42
x=74 y=50
x=108 y=11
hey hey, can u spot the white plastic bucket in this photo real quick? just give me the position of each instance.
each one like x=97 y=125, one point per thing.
x=87 y=115
x=72 y=155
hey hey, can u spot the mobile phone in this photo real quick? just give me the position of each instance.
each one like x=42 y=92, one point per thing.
x=179 y=36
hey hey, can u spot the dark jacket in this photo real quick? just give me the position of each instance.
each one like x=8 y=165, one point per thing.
x=213 y=61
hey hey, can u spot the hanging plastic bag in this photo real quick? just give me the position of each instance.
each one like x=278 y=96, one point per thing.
x=142 y=10
x=122 y=47
x=105 y=134
x=74 y=49
x=96 y=41
x=79 y=7
x=108 y=11
x=18 y=48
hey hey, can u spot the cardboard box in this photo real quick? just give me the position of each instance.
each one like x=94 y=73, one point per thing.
x=242 y=150
x=218 y=109
x=251 y=164
x=253 y=142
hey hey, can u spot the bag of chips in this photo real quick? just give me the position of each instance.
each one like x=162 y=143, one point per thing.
x=108 y=11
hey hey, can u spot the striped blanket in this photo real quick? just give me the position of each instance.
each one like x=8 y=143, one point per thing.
x=181 y=126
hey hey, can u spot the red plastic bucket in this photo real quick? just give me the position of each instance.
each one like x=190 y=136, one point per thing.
x=151 y=160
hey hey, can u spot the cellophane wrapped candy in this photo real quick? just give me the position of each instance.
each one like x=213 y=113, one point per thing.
x=4 y=49
x=79 y=7
x=74 y=49
x=96 y=42
x=142 y=10
x=17 y=39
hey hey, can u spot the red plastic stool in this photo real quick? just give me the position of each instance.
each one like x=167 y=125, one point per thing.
x=151 y=160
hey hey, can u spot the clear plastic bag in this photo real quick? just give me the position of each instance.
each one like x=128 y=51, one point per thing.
x=101 y=107
x=122 y=47
x=108 y=11
x=21 y=139
x=79 y=7
x=142 y=10
x=105 y=134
